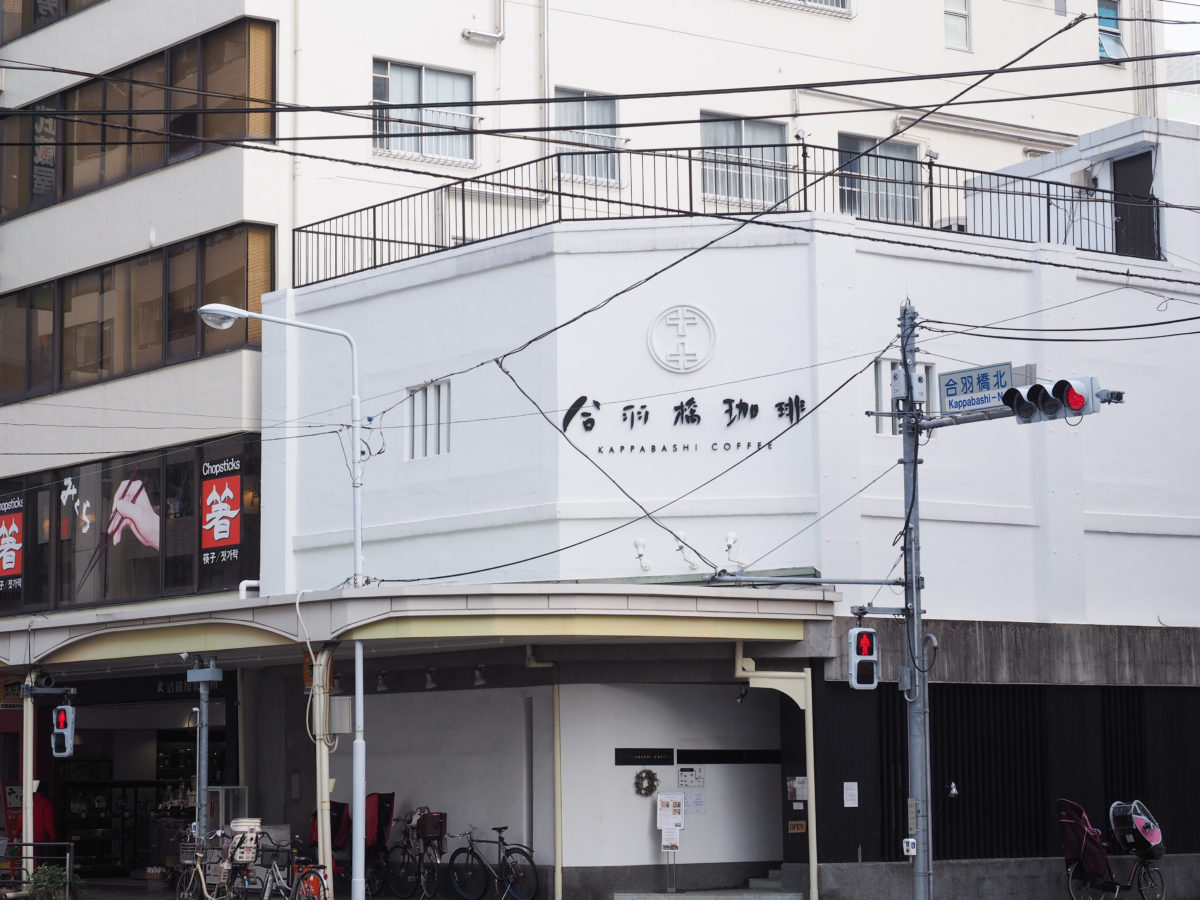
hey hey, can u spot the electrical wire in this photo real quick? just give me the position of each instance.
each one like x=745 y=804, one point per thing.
x=823 y=516
x=741 y=461
x=268 y=105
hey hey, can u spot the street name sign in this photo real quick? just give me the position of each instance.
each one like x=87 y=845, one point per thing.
x=971 y=390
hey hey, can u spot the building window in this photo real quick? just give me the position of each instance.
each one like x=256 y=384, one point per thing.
x=1111 y=45
x=957 y=20
x=744 y=160
x=427 y=131
x=885 y=371
x=113 y=128
x=590 y=120
x=837 y=6
x=882 y=185
x=187 y=518
x=18 y=17
x=429 y=420
x=133 y=315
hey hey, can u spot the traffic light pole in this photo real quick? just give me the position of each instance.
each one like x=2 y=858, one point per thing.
x=917 y=686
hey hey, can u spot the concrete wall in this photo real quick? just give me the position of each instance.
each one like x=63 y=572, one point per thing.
x=985 y=879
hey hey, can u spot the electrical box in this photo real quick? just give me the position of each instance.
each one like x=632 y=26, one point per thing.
x=341 y=715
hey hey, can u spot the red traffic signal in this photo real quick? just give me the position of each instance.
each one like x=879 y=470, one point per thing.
x=864 y=659
x=62 y=737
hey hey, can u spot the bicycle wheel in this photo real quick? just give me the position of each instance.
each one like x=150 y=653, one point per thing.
x=429 y=871
x=519 y=874
x=468 y=875
x=373 y=878
x=188 y=885
x=309 y=885
x=1082 y=887
x=401 y=872
x=1150 y=883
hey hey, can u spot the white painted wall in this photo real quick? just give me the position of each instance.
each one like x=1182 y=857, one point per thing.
x=605 y=822
x=1046 y=523
x=462 y=753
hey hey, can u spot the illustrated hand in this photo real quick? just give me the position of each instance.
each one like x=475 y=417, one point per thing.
x=133 y=511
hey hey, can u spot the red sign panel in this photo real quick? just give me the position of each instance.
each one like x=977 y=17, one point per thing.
x=12 y=538
x=222 y=500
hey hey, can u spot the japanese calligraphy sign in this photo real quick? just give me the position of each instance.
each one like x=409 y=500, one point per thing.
x=12 y=539
x=682 y=424
x=971 y=390
x=221 y=501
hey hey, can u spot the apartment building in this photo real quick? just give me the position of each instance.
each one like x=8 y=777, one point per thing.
x=167 y=487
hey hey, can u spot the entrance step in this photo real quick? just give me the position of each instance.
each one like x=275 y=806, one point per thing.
x=768 y=888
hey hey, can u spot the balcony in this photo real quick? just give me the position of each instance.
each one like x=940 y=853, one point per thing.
x=724 y=182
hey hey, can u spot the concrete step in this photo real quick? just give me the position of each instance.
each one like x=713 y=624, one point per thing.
x=746 y=893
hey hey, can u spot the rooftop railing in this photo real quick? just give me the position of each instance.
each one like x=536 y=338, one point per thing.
x=729 y=182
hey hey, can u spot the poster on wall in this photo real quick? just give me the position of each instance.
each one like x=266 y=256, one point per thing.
x=12 y=541
x=221 y=499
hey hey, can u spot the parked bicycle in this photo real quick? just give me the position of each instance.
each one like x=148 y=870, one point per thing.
x=514 y=870
x=300 y=879
x=232 y=876
x=1089 y=874
x=413 y=861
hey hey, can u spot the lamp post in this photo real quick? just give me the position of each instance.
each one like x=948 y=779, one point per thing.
x=221 y=315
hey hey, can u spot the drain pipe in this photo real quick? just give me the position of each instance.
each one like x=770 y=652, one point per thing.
x=496 y=36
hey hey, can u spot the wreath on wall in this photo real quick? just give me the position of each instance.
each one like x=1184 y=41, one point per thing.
x=645 y=783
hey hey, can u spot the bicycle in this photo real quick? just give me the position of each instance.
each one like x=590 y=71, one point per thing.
x=514 y=869
x=233 y=878
x=414 y=860
x=1089 y=873
x=302 y=881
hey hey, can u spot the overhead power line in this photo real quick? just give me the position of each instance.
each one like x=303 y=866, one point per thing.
x=268 y=105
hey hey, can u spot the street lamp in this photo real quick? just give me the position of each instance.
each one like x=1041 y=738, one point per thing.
x=223 y=316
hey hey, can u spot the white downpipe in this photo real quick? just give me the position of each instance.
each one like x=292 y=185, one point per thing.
x=497 y=35
x=558 y=831
x=320 y=696
x=358 y=794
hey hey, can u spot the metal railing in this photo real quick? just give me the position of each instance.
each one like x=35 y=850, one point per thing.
x=733 y=182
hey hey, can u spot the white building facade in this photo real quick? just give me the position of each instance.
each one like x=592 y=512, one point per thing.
x=541 y=521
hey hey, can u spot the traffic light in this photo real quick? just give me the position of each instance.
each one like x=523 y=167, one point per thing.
x=864 y=659
x=1065 y=399
x=62 y=738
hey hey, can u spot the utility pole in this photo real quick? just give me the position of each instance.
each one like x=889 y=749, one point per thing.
x=205 y=676
x=916 y=683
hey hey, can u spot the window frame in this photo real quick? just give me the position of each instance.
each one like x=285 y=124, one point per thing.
x=54 y=559
x=1110 y=32
x=951 y=13
x=843 y=8
x=882 y=192
x=601 y=168
x=721 y=166
x=47 y=176
x=143 y=303
x=386 y=139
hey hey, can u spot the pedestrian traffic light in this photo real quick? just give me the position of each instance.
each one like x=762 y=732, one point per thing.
x=62 y=738
x=864 y=659
x=1066 y=398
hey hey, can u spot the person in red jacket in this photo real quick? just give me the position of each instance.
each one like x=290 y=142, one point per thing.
x=43 y=825
x=43 y=818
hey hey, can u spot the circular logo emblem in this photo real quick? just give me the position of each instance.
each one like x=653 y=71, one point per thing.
x=682 y=338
